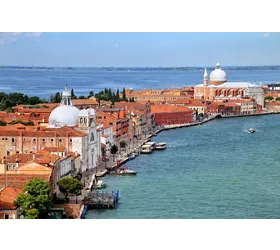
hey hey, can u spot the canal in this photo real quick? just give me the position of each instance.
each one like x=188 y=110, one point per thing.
x=217 y=170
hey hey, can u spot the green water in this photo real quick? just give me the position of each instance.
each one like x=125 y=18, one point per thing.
x=217 y=170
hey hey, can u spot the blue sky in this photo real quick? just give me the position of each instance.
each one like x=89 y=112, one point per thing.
x=139 y=49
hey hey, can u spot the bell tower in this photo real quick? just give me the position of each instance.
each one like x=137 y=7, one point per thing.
x=205 y=84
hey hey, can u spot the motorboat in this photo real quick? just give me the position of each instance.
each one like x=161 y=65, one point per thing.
x=146 y=149
x=123 y=171
x=252 y=130
x=100 y=184
x=132 y=156
x=161 y=146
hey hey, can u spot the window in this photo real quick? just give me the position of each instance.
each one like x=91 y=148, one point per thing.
x=70 y=140
x=43 y=140
x=52 y=140
x=24 y=139
x=13 y=140
x=34 y=140
x=6 y=216
x=60 y=140
x=110 y=123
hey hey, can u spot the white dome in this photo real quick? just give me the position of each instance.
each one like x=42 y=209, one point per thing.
x=83 y=112
x=64 y=115
x=218 y=75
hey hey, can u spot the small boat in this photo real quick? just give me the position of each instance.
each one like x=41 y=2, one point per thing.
x=100 y=184
x=252 y=130
x=161 y=146
x=132 y=156
x=123 y=171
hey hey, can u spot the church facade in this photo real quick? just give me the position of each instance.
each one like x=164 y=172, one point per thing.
x=218 y=88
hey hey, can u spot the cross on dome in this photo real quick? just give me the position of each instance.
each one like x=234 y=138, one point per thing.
x=218 y=65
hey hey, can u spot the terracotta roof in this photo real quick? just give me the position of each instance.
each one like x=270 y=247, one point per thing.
x=84 y=102
x=8 y=195
x=73 y=155
x=272 y=103
x=166 y=108
x=43 y=132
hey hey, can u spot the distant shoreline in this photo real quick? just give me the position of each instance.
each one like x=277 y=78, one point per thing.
x=136 y=69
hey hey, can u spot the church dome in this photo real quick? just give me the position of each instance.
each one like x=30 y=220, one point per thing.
x=218 y=75
x=64 y=116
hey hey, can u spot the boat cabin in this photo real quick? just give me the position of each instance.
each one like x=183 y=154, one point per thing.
x=152 y=144
x=146 y=149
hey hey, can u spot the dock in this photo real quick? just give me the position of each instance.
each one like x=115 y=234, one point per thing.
x=97 y=199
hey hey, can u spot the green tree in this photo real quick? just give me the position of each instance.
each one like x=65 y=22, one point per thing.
x=117 y=95
x=69 y=185
x=32 y=213
x=278 y=99
x=269 y=98
x=36 y=197
x=3 y=123
x=91 y=94
x=72 y=94
x=123 y=144
x=114 y=149
x=82 y=97
x=57 y=97
x=124 y=96
x=132 y=99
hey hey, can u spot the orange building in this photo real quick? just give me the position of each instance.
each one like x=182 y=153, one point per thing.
x=159 y=95
x=166 y=114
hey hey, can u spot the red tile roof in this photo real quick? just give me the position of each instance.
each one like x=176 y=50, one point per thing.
x=8 y=195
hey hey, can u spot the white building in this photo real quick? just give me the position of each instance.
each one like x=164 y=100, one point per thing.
x=89 y=146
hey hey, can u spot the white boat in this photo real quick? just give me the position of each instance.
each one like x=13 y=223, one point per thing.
x=161 y=145
x=152 y=144
x=100 y=184
x=132 y=156
x=146 y=149
x=252 y=130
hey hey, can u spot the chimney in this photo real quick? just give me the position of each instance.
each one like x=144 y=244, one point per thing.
x=33 y=157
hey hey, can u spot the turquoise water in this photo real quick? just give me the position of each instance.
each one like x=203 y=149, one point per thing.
x=216 y=170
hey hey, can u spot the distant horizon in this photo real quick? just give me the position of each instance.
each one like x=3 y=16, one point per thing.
x=136 y=67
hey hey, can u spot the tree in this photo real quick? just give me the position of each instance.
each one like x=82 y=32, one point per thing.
x=117 y=95
x=278 y=98
x=123 y=144
x=72 y=94
x=57 y=97
x=82 y=97
x=124 y=96
x=69 y=185
x=32 y=213
x=114 y=150
x=132 y=99
x=91 y=94
x=3 y=123
x=269 y=98
x=36 y=200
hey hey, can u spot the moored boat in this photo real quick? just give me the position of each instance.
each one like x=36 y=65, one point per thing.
x=132 y=156
x=100 y=184
x=123 y=171
x=161 y=146
x=146 y=149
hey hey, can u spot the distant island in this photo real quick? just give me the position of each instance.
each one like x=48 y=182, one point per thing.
x=127 y=69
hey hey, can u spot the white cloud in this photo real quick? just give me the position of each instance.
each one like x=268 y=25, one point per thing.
x=116 y=45
x=9 y=37
x=265 y=35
